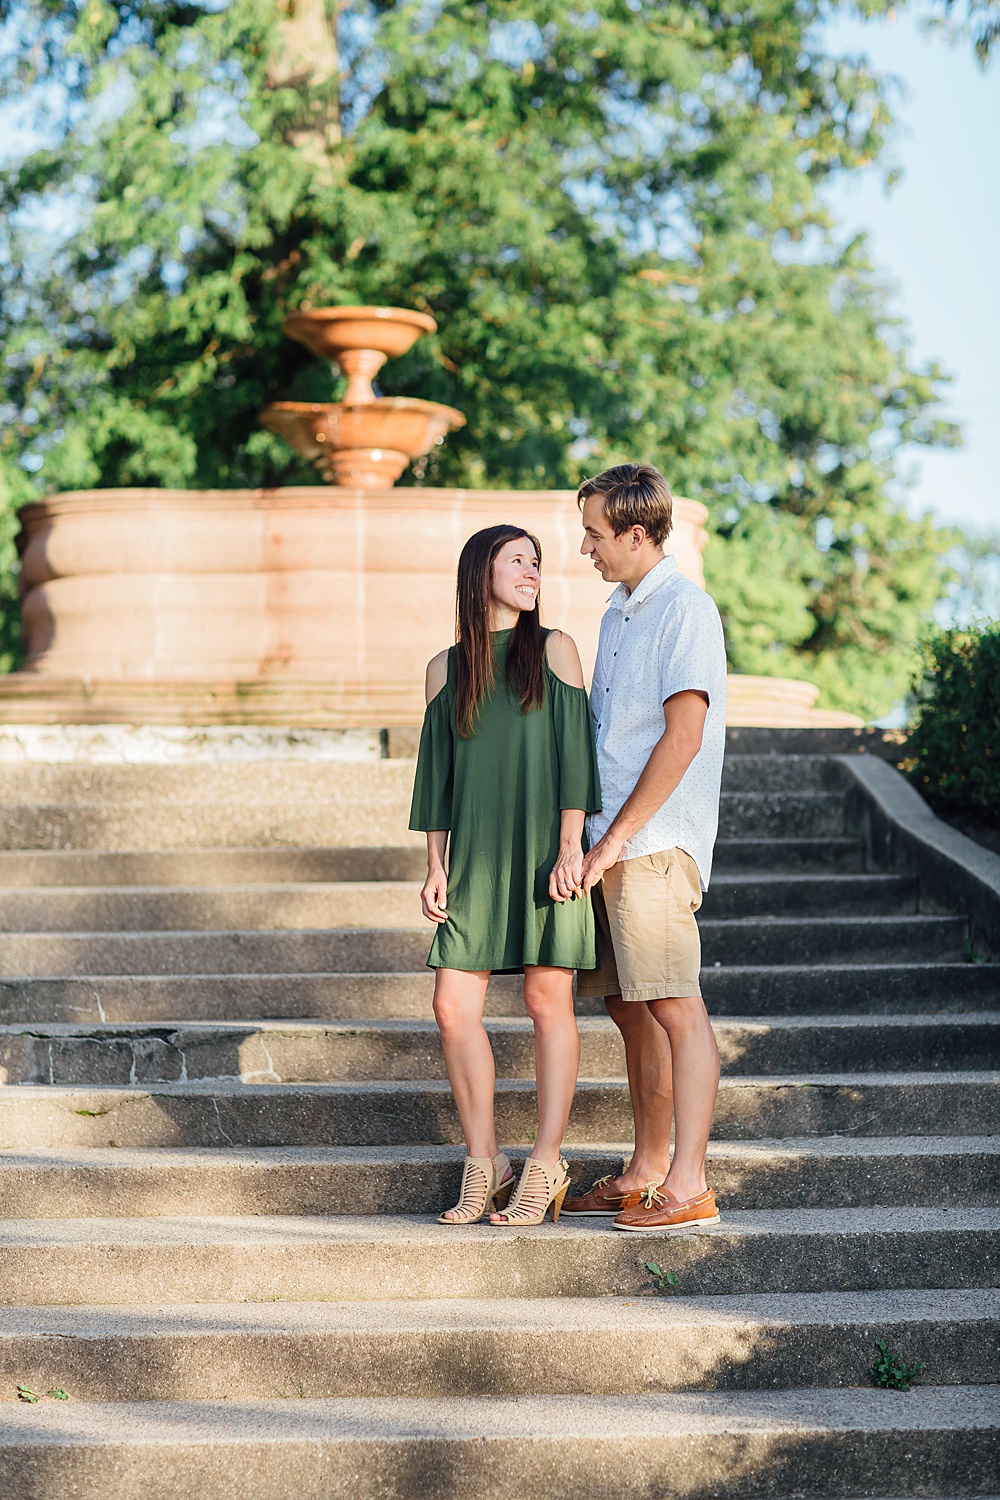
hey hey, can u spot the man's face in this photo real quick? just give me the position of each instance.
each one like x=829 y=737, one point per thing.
x=612 y=556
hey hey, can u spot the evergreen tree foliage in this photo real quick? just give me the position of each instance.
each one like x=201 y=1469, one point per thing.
x=611 y=209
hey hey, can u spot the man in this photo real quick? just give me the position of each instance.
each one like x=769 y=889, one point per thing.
x=658 y=701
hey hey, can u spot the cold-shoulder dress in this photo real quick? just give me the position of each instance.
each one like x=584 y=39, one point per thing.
x=499 y=795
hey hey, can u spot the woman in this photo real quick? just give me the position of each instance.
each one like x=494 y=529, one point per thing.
x=507 y=769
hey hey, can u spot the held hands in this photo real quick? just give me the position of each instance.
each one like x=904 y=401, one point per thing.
x=566 y=879
x=605 y=853
x=434 y=895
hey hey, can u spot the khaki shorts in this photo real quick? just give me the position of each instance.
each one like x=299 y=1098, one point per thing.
x=648 y=944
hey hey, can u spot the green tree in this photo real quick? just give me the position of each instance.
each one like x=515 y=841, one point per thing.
x=611 y=210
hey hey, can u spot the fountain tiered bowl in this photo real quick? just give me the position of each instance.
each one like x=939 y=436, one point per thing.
x=364 y=441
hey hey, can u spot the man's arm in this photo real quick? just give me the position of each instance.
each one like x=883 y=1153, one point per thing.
x=684 y=721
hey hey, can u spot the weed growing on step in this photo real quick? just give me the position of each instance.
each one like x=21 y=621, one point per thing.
x=969 y=954
x=663 y=1281
x=25 y=1393
x=890 y=1371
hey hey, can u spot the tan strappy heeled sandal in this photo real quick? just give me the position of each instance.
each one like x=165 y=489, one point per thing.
x=540 y=1187
x=485 y=1184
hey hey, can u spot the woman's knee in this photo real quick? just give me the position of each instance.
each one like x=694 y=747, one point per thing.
x=549 y=1005
x=454 y=1015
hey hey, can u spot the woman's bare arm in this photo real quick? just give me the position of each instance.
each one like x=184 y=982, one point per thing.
x=434 y=895
x=563 y=658
x=437 y=676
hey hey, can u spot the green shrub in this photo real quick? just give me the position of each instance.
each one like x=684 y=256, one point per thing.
x=954 y=749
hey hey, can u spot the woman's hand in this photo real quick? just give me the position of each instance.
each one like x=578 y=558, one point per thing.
x=566 y=879
x=434 y=895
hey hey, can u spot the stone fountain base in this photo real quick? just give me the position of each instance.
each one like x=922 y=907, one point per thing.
x=315 y=607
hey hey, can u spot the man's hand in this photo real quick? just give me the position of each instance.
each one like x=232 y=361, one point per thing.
x=434 y=895
x=566 y=879
x=605 y=853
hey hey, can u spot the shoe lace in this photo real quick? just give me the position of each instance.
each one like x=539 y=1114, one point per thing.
x=651 y=1196
x=601 y=1182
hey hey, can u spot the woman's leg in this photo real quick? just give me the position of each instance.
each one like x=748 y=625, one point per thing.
x=459 y=997
x=548 y=999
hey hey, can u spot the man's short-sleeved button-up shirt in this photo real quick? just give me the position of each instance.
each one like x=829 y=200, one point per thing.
x=663 y=638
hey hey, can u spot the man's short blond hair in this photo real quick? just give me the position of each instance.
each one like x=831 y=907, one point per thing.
x=633 y=495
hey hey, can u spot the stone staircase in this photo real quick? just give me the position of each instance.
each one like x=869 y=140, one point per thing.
x=226 y=1125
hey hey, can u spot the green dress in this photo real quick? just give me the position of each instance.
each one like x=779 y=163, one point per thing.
x=499 y=794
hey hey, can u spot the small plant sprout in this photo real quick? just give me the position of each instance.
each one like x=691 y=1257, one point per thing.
x=663 y=1281
x=25 y=1393
x=58 y=1394
x=890 y=1371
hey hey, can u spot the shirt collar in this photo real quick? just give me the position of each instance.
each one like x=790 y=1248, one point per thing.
x=654 y=579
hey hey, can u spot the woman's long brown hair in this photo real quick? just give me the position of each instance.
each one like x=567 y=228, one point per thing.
x=475 y=670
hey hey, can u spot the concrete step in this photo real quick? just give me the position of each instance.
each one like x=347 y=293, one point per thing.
x=782 y=895
x=810 y=1172
x=270 y=781
x=724 y=1445
x=772 y=990
x=353 y=814
x=327 y=1052
x=869 y=989
x=784 y=814
x=347 y=820
x=162 y=1261
x=398 y=1114
x=385 y=783
x=746 y=940
x=395 y=904
x=215 y=867
x=780 y=773
x=82 y=867
x=496 y=1347
x=816 y=940
x=842 y=855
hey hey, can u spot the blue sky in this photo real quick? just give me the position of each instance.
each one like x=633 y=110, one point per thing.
x=936 y=237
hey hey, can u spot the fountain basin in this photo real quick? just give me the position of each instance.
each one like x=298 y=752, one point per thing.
x=330 y=332
x=362 y=446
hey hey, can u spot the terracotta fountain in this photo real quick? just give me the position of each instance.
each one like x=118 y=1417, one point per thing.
x=312 y=607
x=364 y=441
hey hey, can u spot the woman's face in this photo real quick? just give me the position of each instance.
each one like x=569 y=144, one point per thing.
x=516 y=579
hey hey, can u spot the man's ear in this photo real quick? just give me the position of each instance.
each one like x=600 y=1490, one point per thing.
x=638 y=537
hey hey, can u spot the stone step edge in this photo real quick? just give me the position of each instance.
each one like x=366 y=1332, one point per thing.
x=791 y=1415
x=410 y=1230
x=741 y=880
x=765 y=1309
x=55 y=1093
x=912 y=920
x=503 y=1025
x=168 y=1158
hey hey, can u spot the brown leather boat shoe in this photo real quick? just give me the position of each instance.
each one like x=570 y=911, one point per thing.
x=598 y=1203
x=658 y=1211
